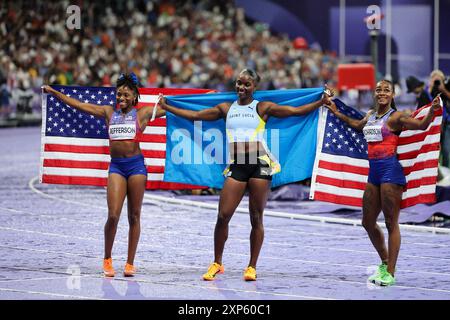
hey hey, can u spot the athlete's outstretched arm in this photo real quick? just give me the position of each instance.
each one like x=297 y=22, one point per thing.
x=408 y=122
x=210 y=114
x=275 y=110
x=95 y=110
x=279 y=111
x=146 y=112
x=354 y=123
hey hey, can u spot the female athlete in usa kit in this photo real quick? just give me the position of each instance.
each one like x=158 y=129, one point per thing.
x=127 y=172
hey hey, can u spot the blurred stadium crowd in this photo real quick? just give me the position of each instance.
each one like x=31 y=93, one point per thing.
x=195 y=43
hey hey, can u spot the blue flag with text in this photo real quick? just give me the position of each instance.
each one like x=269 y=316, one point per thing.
x=197 y=152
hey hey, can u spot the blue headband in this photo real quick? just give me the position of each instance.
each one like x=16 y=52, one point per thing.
x=132 y=76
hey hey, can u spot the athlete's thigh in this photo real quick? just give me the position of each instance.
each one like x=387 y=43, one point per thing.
x=231 y=195
x=371 y=203
x=116 y=192
x=258 y=193
x=391 y=197
x=136 y=189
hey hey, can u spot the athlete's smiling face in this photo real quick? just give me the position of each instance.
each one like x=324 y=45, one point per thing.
x=125 y=97
x=384 y=93
x=245 y=86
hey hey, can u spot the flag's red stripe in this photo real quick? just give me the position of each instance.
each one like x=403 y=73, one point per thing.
x=76 y=149
x=91 y=181
x=414 y=153
x=154 y=154
x=343 y=167
x=155 y=169
x=341 y=183
x=158 y=122
x=88 y=181
x=159 y=138
x=419 y=136
x=339 y=199
x=436 y=113
x=433 y=163
x=421 y=198
x=90 y=165
x=144 y=104
x=422 y=182
x=171 y=91
x=76 y=164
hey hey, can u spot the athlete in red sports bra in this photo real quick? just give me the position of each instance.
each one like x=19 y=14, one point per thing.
x=386 y=179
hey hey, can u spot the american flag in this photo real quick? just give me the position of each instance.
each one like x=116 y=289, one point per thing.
x=75 y=145
x=341 y=166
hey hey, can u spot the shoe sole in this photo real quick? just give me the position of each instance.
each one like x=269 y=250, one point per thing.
x=372 y=278
x=108 y=275
x=209 y=279
x=249 y=279
x=386 y=284
x=214 y=277
x=382 y=284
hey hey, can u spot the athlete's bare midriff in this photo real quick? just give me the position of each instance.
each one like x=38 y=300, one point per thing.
x=247 y=147
x=123 y=149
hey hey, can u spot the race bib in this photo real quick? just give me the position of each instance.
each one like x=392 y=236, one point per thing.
x=125 y=131
x=372 y=132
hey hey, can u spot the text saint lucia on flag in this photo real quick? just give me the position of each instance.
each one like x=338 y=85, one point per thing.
x=341 y=166
x=75 y=144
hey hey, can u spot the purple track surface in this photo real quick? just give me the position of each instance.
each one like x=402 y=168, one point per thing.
x=51 y=247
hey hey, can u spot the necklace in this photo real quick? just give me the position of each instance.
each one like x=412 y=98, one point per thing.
x=382 y=115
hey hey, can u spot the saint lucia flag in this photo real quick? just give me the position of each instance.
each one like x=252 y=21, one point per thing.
x=197 y=152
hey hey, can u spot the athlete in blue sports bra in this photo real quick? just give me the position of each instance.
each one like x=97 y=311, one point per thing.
x=127 y=172
x=386 y=179
x=251 y=166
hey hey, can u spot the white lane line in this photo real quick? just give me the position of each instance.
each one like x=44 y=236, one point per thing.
x=194 y=251
x=353 y=222
x=367 y=283
x=179 y=266
x=329 y=225
x=170 y=217
x=51 y=294
x=360 y=251
x=48 y=216
x=195 y=235
x=31 y=185
x=178 y=284
x=40 y=279
x=232 y=289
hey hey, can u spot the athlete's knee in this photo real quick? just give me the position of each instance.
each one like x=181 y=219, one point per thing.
x=113 y=219
x=134 y=217
x=224 y=216
x=256 y=218
x=368 y=196
x=390 y=224
x=368 y=224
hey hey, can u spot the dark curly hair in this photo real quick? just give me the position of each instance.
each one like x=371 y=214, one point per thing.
x=131 y=81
